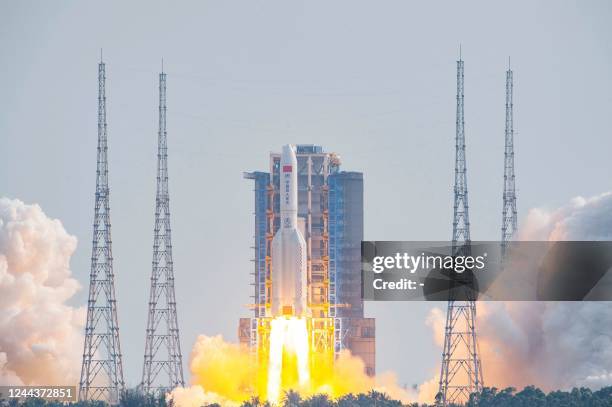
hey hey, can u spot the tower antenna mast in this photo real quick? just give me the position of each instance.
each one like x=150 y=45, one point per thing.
x=163 y=365
x=461 y=372
x=509 y=214
x=102 y=370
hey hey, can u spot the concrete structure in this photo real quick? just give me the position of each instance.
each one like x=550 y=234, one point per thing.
x=330 y=215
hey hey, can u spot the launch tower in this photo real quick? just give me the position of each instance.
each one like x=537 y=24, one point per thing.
x=330 y=218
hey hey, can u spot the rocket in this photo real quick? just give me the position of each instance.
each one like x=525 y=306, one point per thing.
x=289 y=279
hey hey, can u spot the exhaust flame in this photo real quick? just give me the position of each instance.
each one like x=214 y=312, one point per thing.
x=289 y=356
x=225 y=373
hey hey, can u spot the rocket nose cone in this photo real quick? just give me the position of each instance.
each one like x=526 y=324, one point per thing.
x=288 y=158
x=288 y=152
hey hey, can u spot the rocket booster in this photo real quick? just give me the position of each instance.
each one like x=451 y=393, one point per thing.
x=289 y=279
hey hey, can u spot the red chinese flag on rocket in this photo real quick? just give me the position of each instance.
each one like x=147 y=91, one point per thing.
x=286 y=168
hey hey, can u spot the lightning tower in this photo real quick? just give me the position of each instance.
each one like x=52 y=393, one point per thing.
x=102 y=370
x=163 y=366
x=509 y=217
x=461 y=373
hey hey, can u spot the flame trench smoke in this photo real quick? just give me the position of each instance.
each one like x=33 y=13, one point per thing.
x=225 y=373
x=547 y=344
x=39 y=332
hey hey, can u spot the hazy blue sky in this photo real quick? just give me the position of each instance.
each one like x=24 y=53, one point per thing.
x=373 y=81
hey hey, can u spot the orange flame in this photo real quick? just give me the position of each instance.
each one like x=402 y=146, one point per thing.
x=227 y=374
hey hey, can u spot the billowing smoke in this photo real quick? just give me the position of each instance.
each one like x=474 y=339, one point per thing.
x=581 y=219
x=550 y=345
x=223 y=373
x=39 y=332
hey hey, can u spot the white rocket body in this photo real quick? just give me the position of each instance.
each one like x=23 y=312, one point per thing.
x=289 y=271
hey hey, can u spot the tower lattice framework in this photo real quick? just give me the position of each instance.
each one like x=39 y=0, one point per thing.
x=460 y=373
x=102 y=370
x=163 y=366
x=509 y=216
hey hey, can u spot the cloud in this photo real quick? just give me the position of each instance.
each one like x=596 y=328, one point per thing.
x=547 y=344
x=581 y=219
x=552 y=345
x=195 y=396
x=40 y=334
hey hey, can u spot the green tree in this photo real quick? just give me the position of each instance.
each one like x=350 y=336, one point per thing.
x=255 y=402
x=136 y=398
x=318 y=400
x=348 y=400
x=292 y=398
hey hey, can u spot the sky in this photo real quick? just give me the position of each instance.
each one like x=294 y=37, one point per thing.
x=372 y=81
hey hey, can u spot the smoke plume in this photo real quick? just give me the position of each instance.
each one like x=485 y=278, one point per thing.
x=223 y=373
x=581 y=219
x=39 y=332
x=547 y=344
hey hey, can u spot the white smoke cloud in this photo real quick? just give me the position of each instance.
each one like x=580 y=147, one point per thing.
x=547 y=344
x=195 y=396
x=40 y=335
x=581 y=219
x=552 y=345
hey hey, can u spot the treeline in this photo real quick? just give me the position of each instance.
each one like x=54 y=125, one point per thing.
x=490 y=397
x=532 y=396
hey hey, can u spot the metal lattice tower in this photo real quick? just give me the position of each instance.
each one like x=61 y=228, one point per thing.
x=460 y=373
x=509 y=217
x=102 y=370
x=163 y=366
